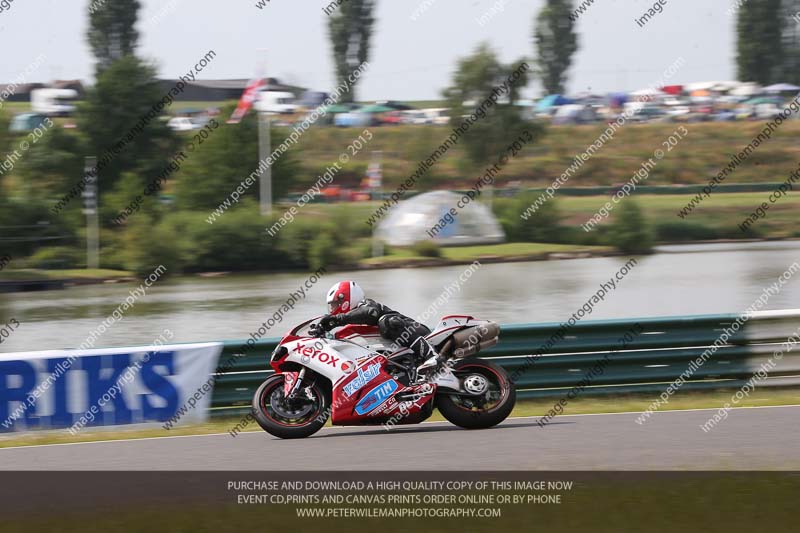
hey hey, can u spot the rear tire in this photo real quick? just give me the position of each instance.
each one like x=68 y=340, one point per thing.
x=285 y=421
x=485 y=410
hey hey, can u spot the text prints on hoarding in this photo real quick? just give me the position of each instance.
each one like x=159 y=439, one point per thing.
x=55 y=388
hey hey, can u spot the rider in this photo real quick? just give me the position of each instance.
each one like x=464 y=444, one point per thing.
x=347 y=305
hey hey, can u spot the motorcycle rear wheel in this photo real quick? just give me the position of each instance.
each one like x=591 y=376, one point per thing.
x=480 y=411
x=288 y=420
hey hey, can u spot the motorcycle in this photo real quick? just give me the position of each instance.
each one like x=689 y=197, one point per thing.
x=355 y=377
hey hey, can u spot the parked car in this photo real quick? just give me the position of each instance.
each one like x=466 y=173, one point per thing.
x=649 y=113
x=26 y=122
x=393 y=118
x=277 y=102
x=744 y=111
x=767 y=110
x=725 y=115
x=575 y=114
x=53 y=102
x=678 y=111
x=181 y=124
x=437 y=116
x=353 y=119
x=413 y=116
x=312 y=99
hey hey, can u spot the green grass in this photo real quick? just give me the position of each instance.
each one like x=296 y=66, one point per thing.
x=538 y=407
x=511 y=250
x=15 y=108
x=722 y=211
x=702 y=154
x=177 y=107
x=516 y=249
x=82 y=274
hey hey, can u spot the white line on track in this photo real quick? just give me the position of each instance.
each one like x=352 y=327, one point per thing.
x=112 y=441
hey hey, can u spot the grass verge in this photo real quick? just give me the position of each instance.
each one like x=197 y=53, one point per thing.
x=512 y=250
x=77 y=274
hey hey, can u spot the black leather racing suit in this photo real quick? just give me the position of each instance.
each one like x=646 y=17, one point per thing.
x=400 y=329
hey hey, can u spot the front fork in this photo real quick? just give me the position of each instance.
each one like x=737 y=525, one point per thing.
x=297 y=385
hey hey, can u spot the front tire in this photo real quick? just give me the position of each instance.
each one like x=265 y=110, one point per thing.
x=486 y=409
x=289 y=420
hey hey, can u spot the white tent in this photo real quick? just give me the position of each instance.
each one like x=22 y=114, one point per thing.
x=747 y=89
x=411 y=221
x=725 y=86
x=781 y=87
x=647 y=92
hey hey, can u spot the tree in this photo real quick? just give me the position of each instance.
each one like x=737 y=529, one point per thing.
x=350 y=30
x=790 y=73
x=112 y=30
x=760 y=47
x=215 y=169
x=544 y=225
x=630 y=232
x=475 y=80
x=54 y=163
x=556 y=42
x=120 y=118
x=5 y=139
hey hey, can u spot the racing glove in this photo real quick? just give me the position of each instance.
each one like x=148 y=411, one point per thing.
x=328 y=322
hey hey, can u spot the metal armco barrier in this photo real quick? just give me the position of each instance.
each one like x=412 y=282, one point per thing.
x=657 y=355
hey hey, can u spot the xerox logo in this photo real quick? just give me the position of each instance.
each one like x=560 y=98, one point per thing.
x=309 y=352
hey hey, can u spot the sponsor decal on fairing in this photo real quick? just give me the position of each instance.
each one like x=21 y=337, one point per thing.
x=363 y=377
x=308 y=353
x=376 y=397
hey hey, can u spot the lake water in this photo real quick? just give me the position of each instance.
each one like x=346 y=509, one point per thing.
x=680 y=280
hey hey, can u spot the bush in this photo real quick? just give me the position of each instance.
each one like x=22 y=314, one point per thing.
x=323 y=252
x=576 y=235
x=685 y=231
x=756 y=231
x=33 y=226
x=57 y=258
x=629 y=232
x=149 y=245
x=542 y=226
x=294 y=242
x=427 y=249
x=237 y=241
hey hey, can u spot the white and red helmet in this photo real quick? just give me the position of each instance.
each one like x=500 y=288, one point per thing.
x=343 y=297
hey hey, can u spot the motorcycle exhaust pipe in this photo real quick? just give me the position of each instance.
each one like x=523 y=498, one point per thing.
x=475 y=348
x=472 y=340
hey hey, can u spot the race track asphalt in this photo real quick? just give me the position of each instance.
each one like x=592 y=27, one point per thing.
x=750 y=439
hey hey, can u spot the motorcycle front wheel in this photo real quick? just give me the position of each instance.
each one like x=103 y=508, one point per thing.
x=289 y=419
x=489 y=399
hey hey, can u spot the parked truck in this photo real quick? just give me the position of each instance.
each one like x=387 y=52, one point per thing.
x=53 y=102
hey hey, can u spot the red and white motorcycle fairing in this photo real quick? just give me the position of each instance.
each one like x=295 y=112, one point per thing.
x=363 y=392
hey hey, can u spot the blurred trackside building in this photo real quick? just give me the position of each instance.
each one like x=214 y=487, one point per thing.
x=221 y=90
x=22 y=92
